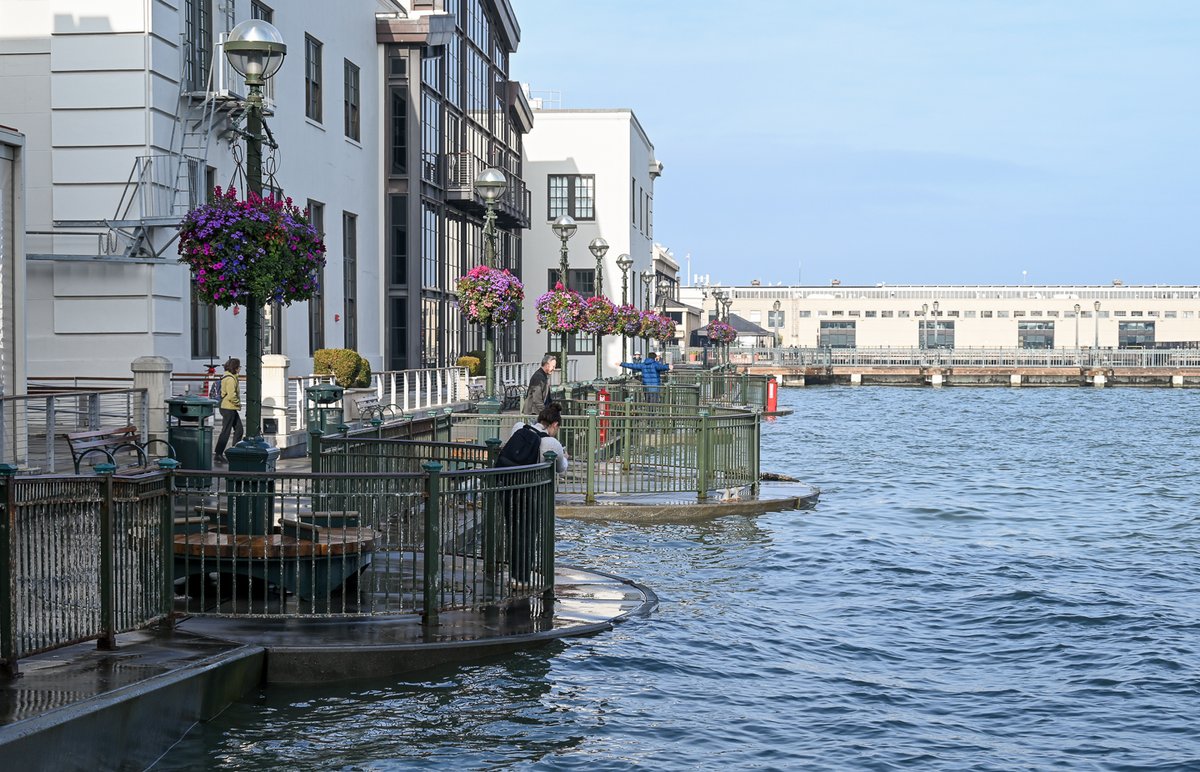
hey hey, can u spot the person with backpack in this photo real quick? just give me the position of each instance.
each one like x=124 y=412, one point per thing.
x=650 y=369
x=230 y=404
x=527 y=445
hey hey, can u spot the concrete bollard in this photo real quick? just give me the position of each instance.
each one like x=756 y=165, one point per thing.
x=1177 y=381
x=856 y=379
x=1014 y=379
x=936 y=379
x=1099 y=381
x=153 y=374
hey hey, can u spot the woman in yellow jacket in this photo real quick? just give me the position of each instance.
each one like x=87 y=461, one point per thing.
x=231 y=403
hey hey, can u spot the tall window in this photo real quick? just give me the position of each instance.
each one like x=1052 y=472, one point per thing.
x=197 y=43
x=350 y=278
x=316 y=304
x=398 y=334
x=399 y=133
x=583 y=281
x=837 y=335
x=398 y=240
x=1034 y=334
x=204 y=328
x=1135 y=334
x=260 y=10
x=312 y=78
x=571 y=194
x=352 y=99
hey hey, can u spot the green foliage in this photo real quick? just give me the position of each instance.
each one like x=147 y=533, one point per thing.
x=474 y=365
x=350 y=370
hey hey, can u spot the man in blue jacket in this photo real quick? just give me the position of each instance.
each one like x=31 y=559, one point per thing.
x=650 y=368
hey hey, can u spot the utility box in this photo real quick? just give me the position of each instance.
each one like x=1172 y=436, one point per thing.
x=190 y=432
x=323 y=410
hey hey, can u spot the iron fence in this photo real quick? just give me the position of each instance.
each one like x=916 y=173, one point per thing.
x=790 y=357
x=33 y=426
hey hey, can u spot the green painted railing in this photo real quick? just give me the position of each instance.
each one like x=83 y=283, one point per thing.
x=637 y=448
x=85 y=558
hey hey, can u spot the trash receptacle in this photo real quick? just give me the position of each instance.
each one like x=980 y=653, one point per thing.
x=323 y=409
x=190 y=433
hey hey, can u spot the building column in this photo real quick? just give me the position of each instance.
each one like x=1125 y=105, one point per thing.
x=274 y=396
x=153 y=374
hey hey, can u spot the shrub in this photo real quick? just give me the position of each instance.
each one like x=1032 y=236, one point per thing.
x=474 y=365
x=350 y=370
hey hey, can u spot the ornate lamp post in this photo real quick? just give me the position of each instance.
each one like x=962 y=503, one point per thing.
x=935 y=324
x=599 y=248
x=564 y=227
x=727 y=302
x=490 y=184
x=647 y=280
x=923 y=335
x=256 y=50
x=718 y=294
x=1097 y=308
x=1077 y=307
x=776 y=306
x=624 y=261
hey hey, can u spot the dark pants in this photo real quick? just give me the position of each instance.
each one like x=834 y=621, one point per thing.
x=230 y=421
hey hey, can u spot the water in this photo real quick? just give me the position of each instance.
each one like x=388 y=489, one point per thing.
x=994 y=579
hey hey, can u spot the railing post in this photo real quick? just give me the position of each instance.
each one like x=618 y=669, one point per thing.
x=548 y=538
x=755 y=453
x=8 y=496
x=627 y=436
x=490 y=524
x=108 y=625
x=433 y=542
x=593 y=433
x=167 y=541
x=702 y=459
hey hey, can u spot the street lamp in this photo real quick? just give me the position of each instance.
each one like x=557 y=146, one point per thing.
x=1097 y=307
x=923 y=337
x=727 y=302
x=490 y=184
x=564 y=227
x=1077 y=307
x=935 y=324
x=599 y=248
x=776 y=306
x=624 y=261
x=256 y=50
x=647 y=280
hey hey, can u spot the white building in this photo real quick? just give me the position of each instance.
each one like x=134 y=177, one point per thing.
x=12 y=263
x=599 y=167
x=130 y=113
x=984 y=316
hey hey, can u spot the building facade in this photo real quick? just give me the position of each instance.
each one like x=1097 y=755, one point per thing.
x=1031 y=317
x=12 y=263
x=599 y=167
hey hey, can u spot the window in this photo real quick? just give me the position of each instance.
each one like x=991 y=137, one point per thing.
x=837 y=335
x=197 y=43
x=775 y=319
x=350 y=279
x=968 y=314
x=887 y=314
x=756 y=317
x=805 y=314
x=398 y=240
x=872 y=314
x=258 y=10
x=1001 y=314
x=571 y=194
x=312 y=78
x=583 y=281
x=316 y=304
x=204 y=328
x=351 y=100
x=399 y=133
x=1035 y=334
x=1135 y=334
x=633 y=201
x=985 y=314
x=398 y=334
x=1170 y=314
x=936 y=333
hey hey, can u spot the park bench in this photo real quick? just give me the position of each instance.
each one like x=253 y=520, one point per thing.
x=368 y=407
x=116 y=445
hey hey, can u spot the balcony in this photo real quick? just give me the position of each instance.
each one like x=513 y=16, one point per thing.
x=512 y=210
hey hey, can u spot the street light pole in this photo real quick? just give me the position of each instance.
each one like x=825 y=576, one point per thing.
x=256 y=50
x=624 y=261
x=564 y=227
x=923 y=337
x=599 y=248
x=776 y=306
x=935 y=324
x=1077 y=307
x=490 y=185
x=1097 y=308
x=647 y=280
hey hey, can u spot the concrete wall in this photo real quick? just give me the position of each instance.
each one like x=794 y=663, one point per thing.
x=612 y=145
x=983 y=316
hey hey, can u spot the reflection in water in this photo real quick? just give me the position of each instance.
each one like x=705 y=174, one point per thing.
x=993 y=579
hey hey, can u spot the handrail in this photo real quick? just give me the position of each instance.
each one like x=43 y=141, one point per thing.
x=1162 y=358
x=32 y=425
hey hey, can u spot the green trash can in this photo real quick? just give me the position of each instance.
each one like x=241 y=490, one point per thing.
x=323 y=410
x=190 y=432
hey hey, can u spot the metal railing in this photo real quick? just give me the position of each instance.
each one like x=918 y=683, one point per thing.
x=88 y=557
x=32 y=426
x=407 y=390
x=632 y=448
x=950 y=357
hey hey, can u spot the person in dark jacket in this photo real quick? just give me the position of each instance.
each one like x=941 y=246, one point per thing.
x=537 y=396
x=650 y=368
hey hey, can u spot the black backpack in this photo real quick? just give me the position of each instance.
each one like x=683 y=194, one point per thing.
x=523 y=448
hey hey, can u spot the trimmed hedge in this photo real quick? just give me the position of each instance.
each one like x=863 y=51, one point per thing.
x=474 y=365
x=350 y=370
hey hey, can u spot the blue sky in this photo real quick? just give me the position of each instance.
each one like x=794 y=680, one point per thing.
x=901 y=141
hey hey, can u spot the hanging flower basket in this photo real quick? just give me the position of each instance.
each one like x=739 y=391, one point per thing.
x=649 y=324
x=628 y=321
x=560 y=310
x=599 y=316
x=720 y=332
x=665 y=330
x=260 y=249
x=490 y=296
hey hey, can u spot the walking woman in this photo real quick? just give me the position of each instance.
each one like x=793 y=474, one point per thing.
x=231 y=403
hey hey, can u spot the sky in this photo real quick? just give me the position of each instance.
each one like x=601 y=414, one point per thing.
x=900 y=141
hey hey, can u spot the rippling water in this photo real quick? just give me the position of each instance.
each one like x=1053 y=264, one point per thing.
x=994 y=579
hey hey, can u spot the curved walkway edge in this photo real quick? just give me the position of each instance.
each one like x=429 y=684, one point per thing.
x=679 y=508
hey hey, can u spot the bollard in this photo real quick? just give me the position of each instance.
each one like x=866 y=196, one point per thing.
x=433 y=542
x=593 y=431
x=166 y=526
x=8 y=495
x=548 y=539
x=702 y=460
x=108 y=623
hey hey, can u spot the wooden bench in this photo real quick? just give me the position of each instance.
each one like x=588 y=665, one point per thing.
x=368 y=407
x=115 y=444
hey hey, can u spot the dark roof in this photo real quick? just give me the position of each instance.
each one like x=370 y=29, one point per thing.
x=746 y=327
